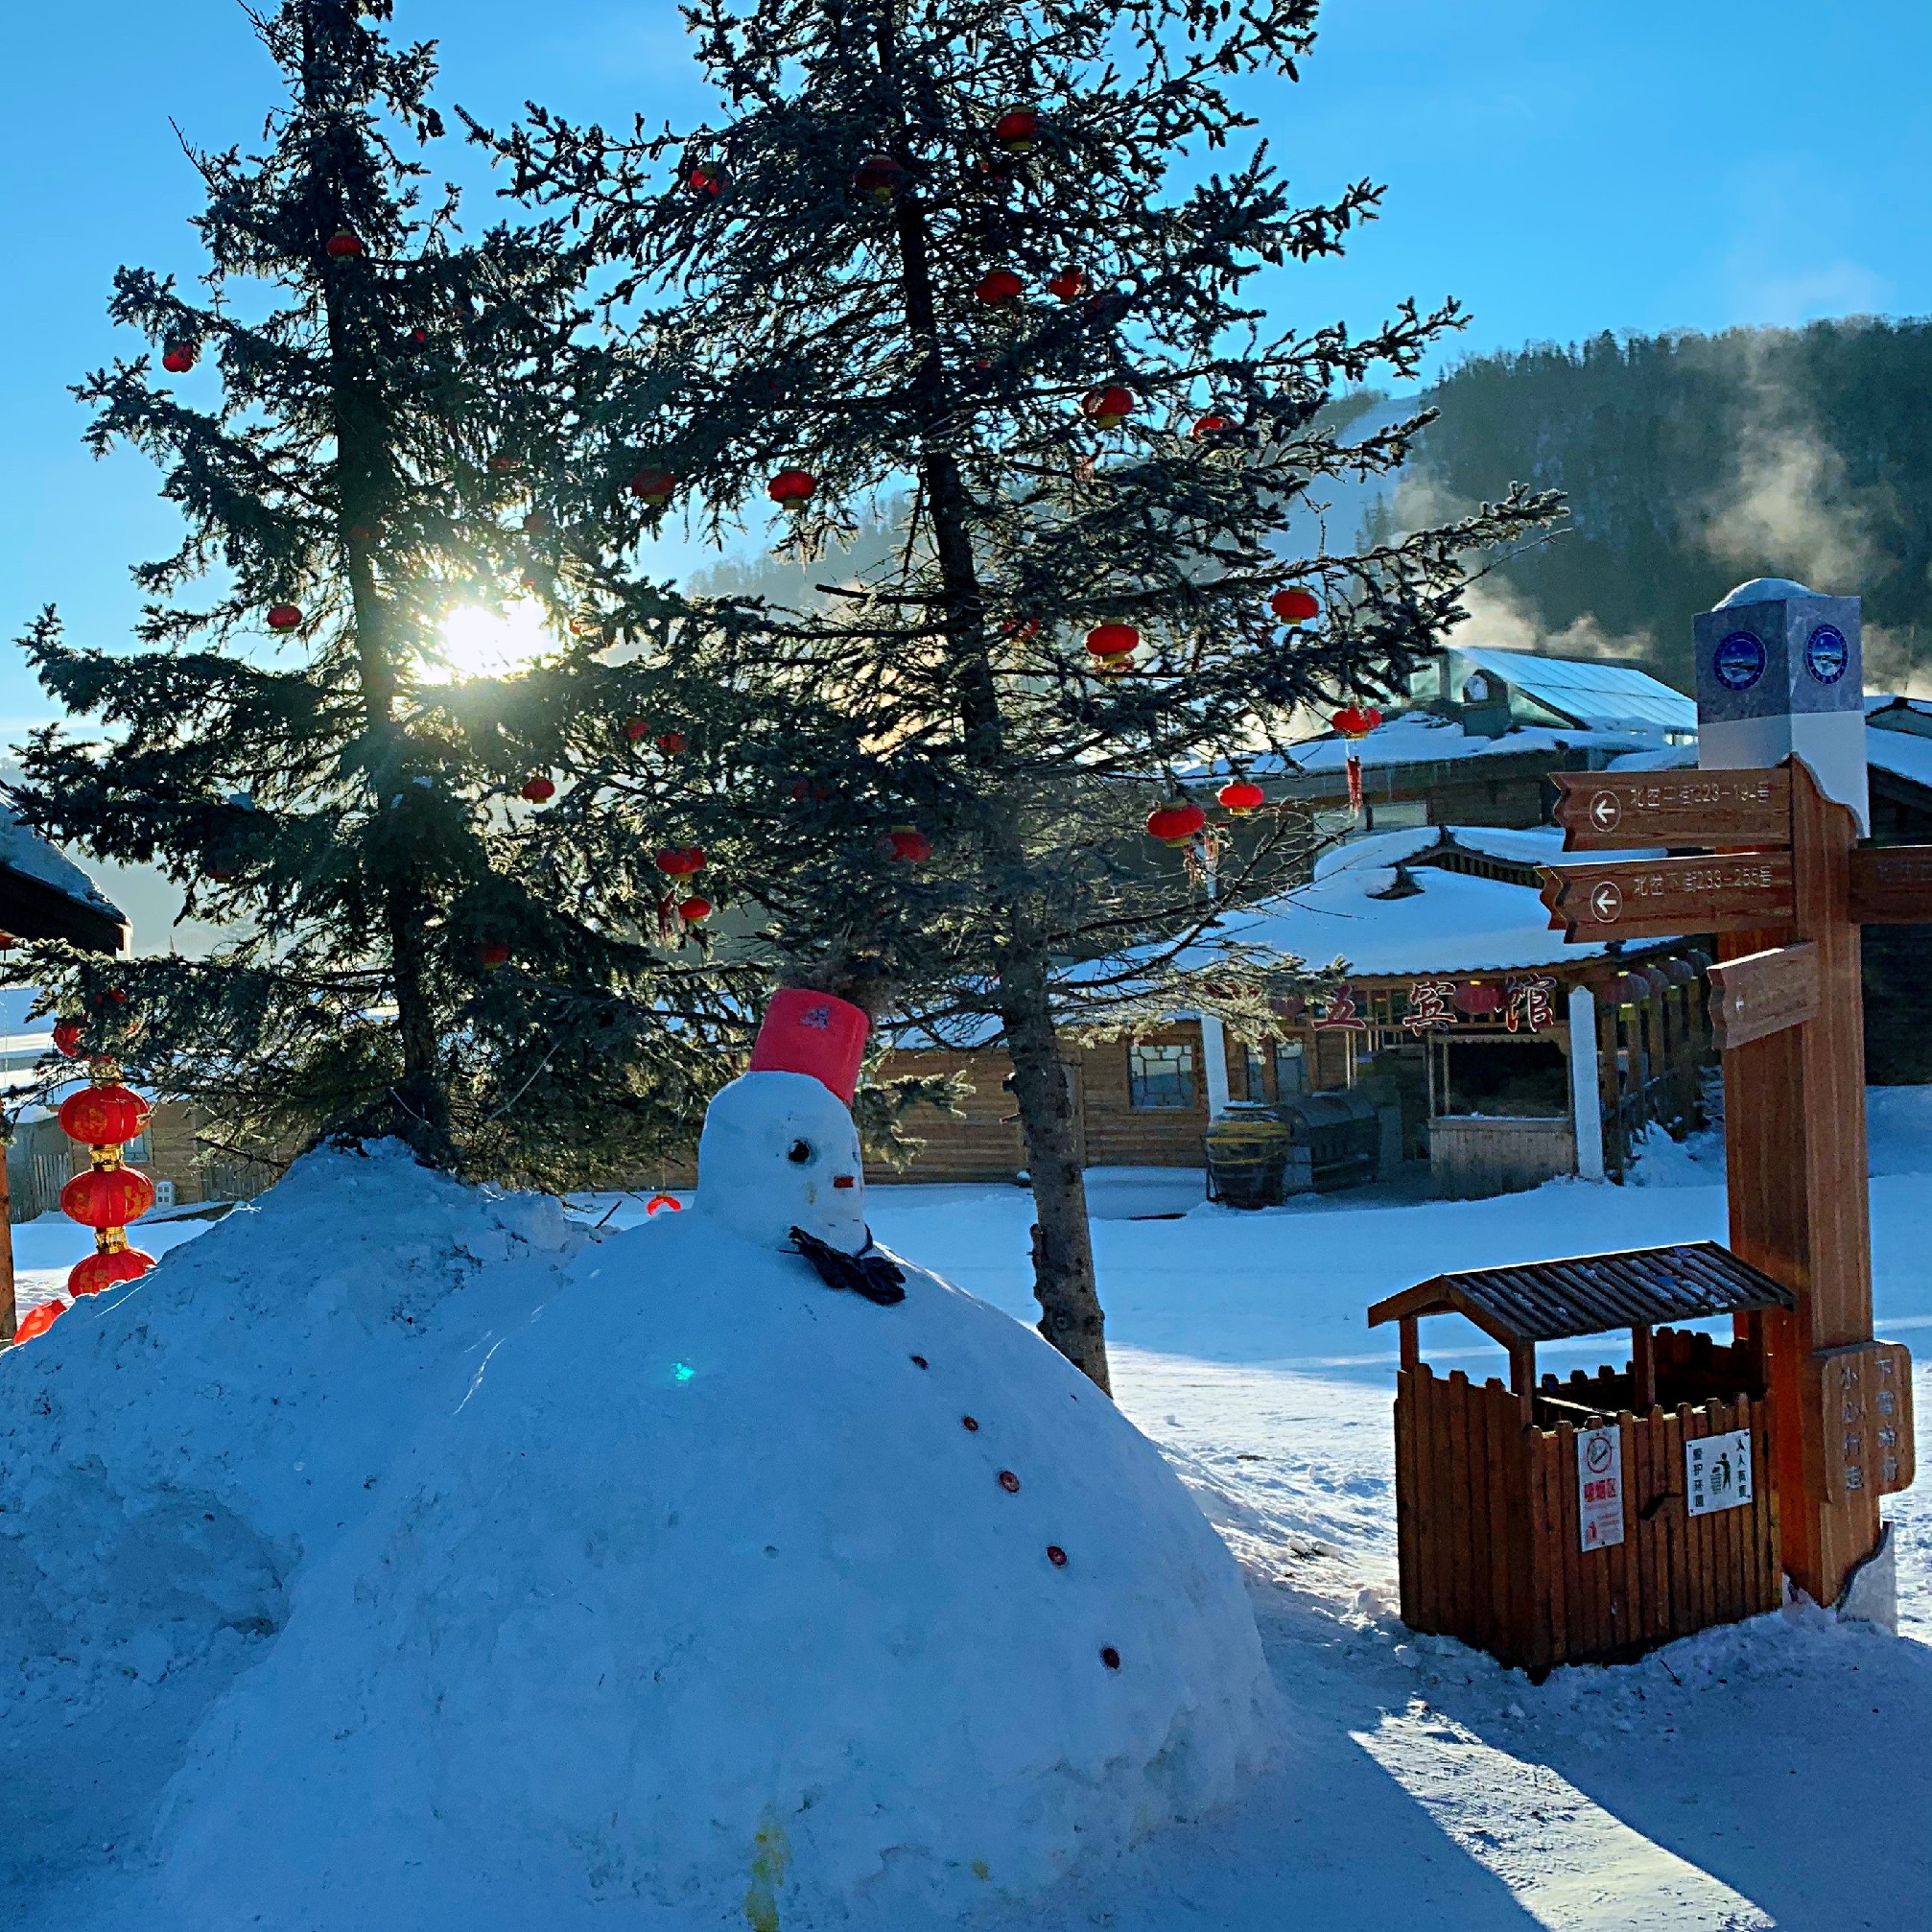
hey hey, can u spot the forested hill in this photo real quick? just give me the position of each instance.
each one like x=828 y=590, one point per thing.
x=1692 y=463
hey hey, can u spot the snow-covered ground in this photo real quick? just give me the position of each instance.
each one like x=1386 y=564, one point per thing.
x=1775 y=1773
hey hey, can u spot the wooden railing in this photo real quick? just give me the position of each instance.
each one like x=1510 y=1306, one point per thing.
x=1489 y=1534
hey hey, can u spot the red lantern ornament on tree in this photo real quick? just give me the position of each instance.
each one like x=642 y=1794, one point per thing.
x=636 y=730
x=879 y=176
x=104 y=1116
x=1067 y=285
x=654 y=485
x=539 y=791
x=706 y=180
x=107 y=1197
x=491 y=954
x=1295 y=606
x=538 y=523
x=681 y=862
x=908 y=845
x=106 y=1268
x=1001 y=289
x=346 y=246
x=694 y=910
x=67 y=1037
x=1108 y=408
x=178 y=357
x=284 y=618
x=1017 y=129
x=1354 y=723
x=1241 y=796
x=791 y=489
x=1113 y=644
x=1211 y=427
x=671 y=742
x=1176 y=824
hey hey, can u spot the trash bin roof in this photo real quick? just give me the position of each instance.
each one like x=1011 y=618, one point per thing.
x=1593 y=1294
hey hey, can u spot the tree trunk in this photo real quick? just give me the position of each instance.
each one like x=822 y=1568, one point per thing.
x=1064 y=1284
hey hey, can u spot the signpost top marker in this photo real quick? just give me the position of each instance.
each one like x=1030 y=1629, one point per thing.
x=1781 y=670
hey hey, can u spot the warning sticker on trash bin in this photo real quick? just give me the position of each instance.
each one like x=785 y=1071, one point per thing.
x=1599 y=1487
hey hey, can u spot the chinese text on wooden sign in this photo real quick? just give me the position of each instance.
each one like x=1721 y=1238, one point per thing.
x=1717 y=1472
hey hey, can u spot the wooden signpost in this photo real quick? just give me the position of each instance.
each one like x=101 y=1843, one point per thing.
x=1785 y=889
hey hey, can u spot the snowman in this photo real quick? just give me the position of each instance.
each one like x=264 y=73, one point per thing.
x=758 y=1577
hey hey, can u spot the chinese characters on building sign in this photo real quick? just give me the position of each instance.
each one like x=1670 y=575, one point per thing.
x=1599 y=1488
x=1717 y=1472
x=1342 y=1011
x=1527 y=1005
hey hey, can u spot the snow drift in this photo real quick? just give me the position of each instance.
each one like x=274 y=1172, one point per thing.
x=449 y=1568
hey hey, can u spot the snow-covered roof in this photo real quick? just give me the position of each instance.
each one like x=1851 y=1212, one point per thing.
x=1905 y=754
x=28 y=854
x=1671 y=758
x=1423 y=738
x=1587 y=692
x=1441 y=922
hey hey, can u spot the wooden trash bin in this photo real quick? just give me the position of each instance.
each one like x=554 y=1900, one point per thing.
x=1594 y=1519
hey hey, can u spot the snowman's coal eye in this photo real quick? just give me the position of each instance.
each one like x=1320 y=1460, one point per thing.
x=799 y=1151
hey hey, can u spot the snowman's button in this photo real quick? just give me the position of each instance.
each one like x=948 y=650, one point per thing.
x=1009 y=1482
x=968 y=1423
x=1056 y=1556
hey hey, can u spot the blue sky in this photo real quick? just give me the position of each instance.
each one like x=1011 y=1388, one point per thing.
x=1563 y=168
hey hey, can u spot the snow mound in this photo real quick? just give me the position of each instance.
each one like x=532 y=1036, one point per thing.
x=709 y=1597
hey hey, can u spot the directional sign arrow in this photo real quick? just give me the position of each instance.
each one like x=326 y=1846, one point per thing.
x=1660 y=898
x=1609 y=811
x=1763 y=993
x=1892 y=886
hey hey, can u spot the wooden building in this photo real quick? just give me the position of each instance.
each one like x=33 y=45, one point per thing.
x=1492 y=1049
x=1595 y=1518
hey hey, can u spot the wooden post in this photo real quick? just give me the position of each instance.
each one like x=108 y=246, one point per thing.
x=1642 y=1372
x=1411 y=1342
x=1794 y=1105
x=1523 y=1377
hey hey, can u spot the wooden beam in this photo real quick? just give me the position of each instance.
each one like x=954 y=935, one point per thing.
x=1763 y=993
x=1411 y=1342
x=1603 y=812
x=1642 y=1371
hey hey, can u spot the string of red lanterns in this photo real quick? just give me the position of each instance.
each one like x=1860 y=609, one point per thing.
x=104 y=1116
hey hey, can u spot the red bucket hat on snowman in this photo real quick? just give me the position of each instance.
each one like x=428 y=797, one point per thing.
x=812 y=1033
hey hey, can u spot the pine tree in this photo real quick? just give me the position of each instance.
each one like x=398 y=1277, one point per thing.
x=944 y=246
x=379 y=432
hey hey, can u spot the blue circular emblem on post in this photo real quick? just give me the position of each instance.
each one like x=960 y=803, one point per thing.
x=1738 y=662
x=1826 y=654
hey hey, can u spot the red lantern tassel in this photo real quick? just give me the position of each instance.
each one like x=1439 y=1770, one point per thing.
x=1354 y=782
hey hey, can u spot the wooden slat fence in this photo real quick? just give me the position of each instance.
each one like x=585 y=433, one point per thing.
x=1487 y=1534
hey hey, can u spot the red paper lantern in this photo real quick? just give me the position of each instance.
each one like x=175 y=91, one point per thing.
x=538 y=789
x=694 y=910
x=346 y=244
x=671 y=742
x=1017 y=129
x=1295 y=606
x=1477 y=999
x=706 y=178
x=791 y=487
x=879 y=176
x=1068 y=285
x=658 y=1202
x=1211 y=425
x=492 y=954
x=1175 y=824
x=503 y=464
x=284 y=617
x=104 y=1267
x=108 y=1197
x=998 y=288
x=104 y=1116
x=36 y=1322
x=1113 y=640
x=906 y=843
x=680 y=861
x=67 y=1038
x=654 y=485
x=1108 y=408
x=1354 y=722
x=178 y=357
x=538 y=523
x=1242 y=794
x=636 y=729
